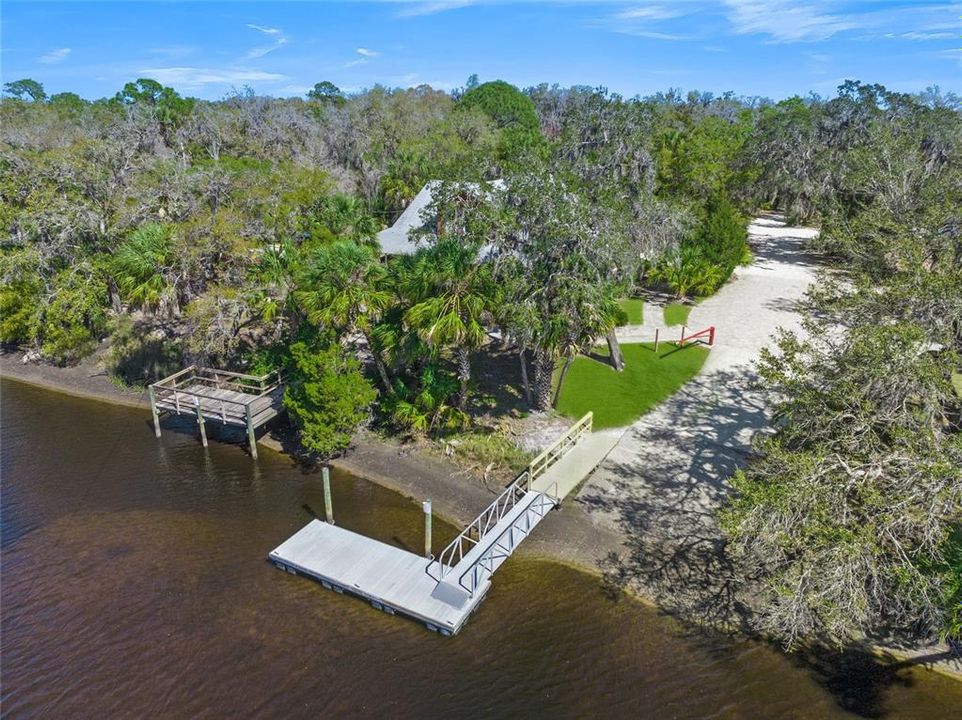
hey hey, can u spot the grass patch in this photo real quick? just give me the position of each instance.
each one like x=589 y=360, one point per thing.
x=677 y=314
x=957 y=383
x=486 y=448
x=634 y=308
x=619 y=398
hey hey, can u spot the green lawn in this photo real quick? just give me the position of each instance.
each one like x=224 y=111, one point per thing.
x=676 y=314
x=957 y=383
x=634 y=308
x=619 y=398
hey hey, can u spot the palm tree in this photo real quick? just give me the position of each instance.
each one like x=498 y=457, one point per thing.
x=342 y=287
x=348 y=219
x=138 y=268
x=453 y=293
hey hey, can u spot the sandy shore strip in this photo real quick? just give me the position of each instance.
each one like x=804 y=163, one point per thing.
x=569 y=536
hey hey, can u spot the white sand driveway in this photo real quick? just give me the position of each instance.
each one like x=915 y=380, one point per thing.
x=663 y=481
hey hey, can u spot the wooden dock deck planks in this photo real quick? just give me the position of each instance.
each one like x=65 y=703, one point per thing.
x=230 y=398
x=262 y=409
x=393 y=578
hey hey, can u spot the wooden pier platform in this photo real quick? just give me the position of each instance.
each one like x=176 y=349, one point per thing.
x=218 y=396
x=391 y=579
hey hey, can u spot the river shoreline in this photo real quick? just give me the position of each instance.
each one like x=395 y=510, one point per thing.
x=572 y=538
x=457 y=495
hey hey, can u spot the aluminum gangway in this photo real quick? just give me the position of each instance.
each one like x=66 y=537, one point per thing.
x=466 y=564
x=443 y=591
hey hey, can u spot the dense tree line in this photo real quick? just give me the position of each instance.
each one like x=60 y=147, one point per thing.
x=852 y=513
x=242 y=232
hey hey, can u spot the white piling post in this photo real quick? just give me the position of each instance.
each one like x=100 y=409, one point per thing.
x=200 y=422
x=328 y=506
x=153 y=409
x=426 y=507
x=251 y=438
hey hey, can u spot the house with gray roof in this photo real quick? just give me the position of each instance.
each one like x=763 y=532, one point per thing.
x=400 y=238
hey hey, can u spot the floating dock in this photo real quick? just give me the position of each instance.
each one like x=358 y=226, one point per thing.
x=442 y=592
x=391 y=579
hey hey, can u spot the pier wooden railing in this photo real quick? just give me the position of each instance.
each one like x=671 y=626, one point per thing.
x=471 y=536
x=186 y=392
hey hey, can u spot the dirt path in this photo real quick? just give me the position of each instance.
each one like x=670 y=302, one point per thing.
x=663 y=482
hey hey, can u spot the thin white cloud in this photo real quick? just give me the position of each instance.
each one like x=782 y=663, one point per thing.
x=417 y=9
x=54 y=56
x=653 y=35
x=648 y=21
x=365 y=53
x=194 y=78
x=265 y=30
x=280 y=40
x=263 y=50
x=921 y=36
x=652 y=12
x=954 y=54
x=787 y=21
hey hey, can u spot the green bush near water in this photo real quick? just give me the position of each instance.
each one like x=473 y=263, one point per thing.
x=618 y=398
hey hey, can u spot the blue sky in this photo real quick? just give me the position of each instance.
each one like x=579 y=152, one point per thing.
x=773 y=48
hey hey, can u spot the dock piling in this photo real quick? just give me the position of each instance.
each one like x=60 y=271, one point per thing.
x=426 y=507
x=153 y=409
x=328 y=506
x=200 y=422
x=250 y=433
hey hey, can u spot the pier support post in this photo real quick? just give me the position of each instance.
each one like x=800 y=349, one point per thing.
x=200 y=422
x=328 y=506
x=153 y=409
x=250 y=432
x=426 y=507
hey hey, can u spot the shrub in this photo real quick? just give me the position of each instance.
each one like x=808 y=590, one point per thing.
x=75 y=315
x=490 y=448
x=721 y=235
x=327 y=397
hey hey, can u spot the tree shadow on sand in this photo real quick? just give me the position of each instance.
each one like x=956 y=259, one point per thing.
x=664 y=485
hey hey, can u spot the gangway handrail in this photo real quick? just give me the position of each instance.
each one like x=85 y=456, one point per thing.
x=455 y=551
x=540 y=506
x=560 y=447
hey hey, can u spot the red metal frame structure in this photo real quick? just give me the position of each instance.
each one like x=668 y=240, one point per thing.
x=709 y=331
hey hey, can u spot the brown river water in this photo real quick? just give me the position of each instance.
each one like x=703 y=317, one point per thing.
x=135 y=584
